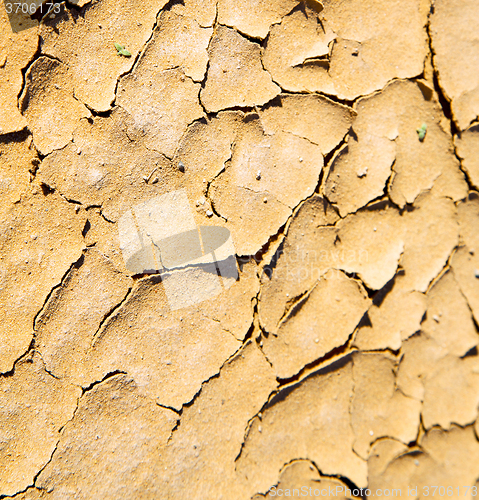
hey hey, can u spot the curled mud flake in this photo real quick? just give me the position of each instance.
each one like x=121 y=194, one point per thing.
x=316 y=118
x=18 y=47
x=49 y=106
x=41 y=239
x=438 y=462
x=74 y=312
x=319 y=323
x=448 y=319
x=240 y=198
x=451 y=395
x=205 y=149
x=290 y=44
x=454 y=44
x=174 y=336
x=378 y=406
x=252 y=17
x=297 y=423
x=211 y=432
x=383 y=145
x=204 y=334
x=465 y=267
x=179 y=41
x=392 y=321
x=110 y=170
x=17 y=162
x=419 y=357
x=369 y=243
x=117 y=433
x=302 y=476
x=34 y=406
x=430 y=229
x=161 y=111
x=467 y=214
x=235 y=76
x=359 y=171
x=467 y=146
x=204 y=12
x=340 y=50
x=85 y=44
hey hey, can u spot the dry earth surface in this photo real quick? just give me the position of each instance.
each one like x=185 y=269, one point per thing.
x=338 y=142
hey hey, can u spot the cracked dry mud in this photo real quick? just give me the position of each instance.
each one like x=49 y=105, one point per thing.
x=345 y=354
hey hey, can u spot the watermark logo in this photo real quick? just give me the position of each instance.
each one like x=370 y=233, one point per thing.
x=27 y=14
x=160 y=236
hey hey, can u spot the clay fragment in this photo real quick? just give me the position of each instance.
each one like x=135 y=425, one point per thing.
x=298 y=423
x=378 y=409
x=34 y=406
x=314 y=117
x=467 y=147
x=235 y=76
x=18 y=44
x=118 y=433
x=455 y=47
x=337 y=48
x=302 y=477
x=85 y=43
x=252 y=17
x=40 y=239
x=320 y=322
x=48 y=104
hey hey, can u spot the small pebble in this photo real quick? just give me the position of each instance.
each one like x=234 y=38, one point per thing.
x=371 y=433
x=476 y=273
x=436 y=318
x=258 y=175
x=181 y=166
x=363 y=172
x=316 y=340
x=300 y=160
x=260 y=429
x=265 y=200
x=355 y=52
x=416 y=463
x=209 y=213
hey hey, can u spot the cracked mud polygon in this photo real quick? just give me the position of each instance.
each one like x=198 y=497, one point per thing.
x=337 y=143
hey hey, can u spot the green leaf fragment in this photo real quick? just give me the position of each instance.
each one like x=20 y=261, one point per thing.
x=121 y=50
x=421 y=132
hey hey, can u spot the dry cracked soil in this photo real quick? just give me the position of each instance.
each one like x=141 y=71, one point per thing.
x=337 y=143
